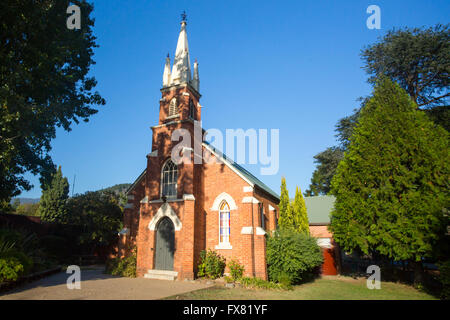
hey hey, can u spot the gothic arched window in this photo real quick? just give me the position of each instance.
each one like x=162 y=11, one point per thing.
x=169 y=177
x=173 y=110
x=191 y=110
x=224 y=223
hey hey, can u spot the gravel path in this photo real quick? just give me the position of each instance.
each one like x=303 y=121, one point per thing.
x=98 y=286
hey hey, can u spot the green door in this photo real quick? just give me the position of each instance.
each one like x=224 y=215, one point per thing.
x=165 y=245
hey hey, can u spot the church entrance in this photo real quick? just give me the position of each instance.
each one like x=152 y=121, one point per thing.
x=165 y=245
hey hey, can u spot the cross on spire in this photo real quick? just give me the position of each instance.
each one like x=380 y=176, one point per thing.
x=183 y=16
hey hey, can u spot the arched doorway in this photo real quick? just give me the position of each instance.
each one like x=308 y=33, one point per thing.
x=165 y=245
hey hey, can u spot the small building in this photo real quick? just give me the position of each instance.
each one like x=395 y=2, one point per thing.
x=319 y=209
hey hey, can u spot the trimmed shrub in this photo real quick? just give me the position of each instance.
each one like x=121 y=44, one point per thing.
x=125 y=267
x=10 y=269
x=292 y=257
x=212 y=265
x=236 y=269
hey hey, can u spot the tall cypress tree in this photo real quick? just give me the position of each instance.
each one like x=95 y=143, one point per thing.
x=392 y=186
x=299 y=212
x=286 y=220
x=53 y=204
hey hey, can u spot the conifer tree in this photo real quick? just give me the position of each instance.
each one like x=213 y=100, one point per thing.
x=392 y=186
x=53 y=204
x=299 y=212
x=286 y=220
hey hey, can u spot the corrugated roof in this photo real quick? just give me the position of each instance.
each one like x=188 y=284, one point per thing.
x=319 y=208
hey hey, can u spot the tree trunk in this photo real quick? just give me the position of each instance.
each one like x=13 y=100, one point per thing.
x=418 y=273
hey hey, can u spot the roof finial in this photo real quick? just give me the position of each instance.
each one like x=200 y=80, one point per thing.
x=183 y=16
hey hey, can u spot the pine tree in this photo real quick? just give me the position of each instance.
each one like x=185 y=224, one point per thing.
x=299 y=212
x=393 y=183
x=286 y=220
x=53 y=207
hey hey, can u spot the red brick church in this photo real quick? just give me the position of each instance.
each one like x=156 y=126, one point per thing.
x=175 y=211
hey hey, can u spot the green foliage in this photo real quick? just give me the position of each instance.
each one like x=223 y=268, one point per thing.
x=440 y=115
x=25 y=261
x=28 y=209
x=236 y=269
x=327 y=162
x=125 y=267
x=45 y=84
x=263 y=284
x=299 y=213
x=286 y=220
x=211 y=265
x=292 y=257
x=392 y=185
x=10 y=269
x=418 y=60
x=444 y=277
x=53 y=204
x=15 y=250
x=99 y=216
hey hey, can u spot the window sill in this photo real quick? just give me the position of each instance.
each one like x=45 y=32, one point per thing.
x=224 y=246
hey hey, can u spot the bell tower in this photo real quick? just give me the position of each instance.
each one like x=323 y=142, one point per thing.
x=180 y=91
x=179 y=109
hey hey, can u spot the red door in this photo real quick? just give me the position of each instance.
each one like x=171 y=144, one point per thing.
x=329 y=262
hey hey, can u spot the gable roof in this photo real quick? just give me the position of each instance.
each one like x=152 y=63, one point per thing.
x=243 y=173
x=136 y=181
x=319 y=209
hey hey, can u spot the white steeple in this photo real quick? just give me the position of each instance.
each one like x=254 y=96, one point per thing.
x=167 y=75
x=181 y=71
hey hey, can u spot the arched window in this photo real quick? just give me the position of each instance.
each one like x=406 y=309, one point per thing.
x=191 y=110
x=173 y=110
x=169 y=177
x=224 y=223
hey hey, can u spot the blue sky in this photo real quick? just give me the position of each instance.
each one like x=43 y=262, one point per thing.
x=288 y=65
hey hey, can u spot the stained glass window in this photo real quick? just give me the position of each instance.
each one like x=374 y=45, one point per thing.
x=224 y=224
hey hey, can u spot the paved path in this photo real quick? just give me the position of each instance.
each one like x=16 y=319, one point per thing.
x=98 y=286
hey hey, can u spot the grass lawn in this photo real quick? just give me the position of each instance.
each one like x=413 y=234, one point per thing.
x=330 y=288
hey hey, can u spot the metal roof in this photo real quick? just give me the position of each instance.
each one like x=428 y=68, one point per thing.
x=319 y=209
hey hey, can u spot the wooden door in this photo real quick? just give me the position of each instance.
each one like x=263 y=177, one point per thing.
x=165 y=245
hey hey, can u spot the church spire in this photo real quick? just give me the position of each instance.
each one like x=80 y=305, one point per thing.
x=181 y=71
x=196 y=80
x=167 y=75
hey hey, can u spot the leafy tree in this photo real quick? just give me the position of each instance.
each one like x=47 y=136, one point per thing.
x=53 y=204
x=28 y=209
x=392 y=186
x=327 y=162
x=418 y=60
x=44 y=84
x=98 y=214
x=299 y=212
x=286 y=220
